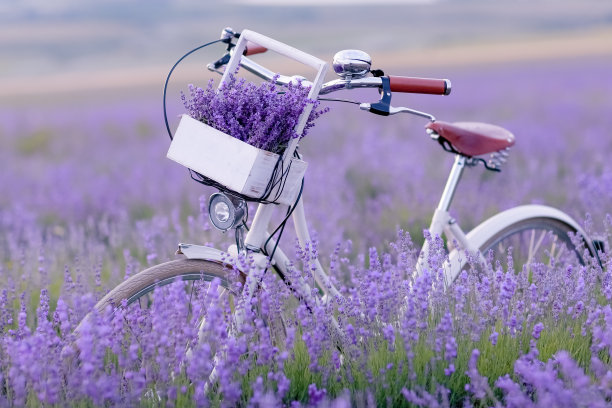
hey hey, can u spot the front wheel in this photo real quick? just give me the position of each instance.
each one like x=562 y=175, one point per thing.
x=186 y=288
x=168 y=320
x=193 y=275
x=175 y=298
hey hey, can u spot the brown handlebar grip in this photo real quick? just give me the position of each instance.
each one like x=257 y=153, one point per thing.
x=420 y=85
x=252 y=49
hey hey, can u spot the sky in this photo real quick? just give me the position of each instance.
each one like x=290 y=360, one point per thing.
x=331 y=2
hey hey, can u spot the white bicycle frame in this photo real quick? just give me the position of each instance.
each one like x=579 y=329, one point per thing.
x=442 y=224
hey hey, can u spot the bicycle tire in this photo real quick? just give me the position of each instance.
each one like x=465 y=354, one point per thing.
x=537 y=239
x=144 y=282
x=148 y=280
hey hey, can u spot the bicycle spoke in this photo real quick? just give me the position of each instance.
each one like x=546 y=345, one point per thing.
x=501 y=248
x=223 y=290
x=530 y=252
x=190 y=308
x=537 y=246
x=562 y=251
x=552 y=251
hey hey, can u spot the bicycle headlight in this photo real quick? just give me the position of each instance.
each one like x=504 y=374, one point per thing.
x=224 y=212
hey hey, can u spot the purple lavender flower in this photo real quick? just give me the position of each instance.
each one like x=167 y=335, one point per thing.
x=315 y=396
x=493 y=338
x=479 y=385
x=537 y=329
x=264 y=116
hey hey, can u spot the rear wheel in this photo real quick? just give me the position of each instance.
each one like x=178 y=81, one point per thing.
x=540 y=239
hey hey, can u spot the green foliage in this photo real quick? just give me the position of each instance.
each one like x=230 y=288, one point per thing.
x=34 y=143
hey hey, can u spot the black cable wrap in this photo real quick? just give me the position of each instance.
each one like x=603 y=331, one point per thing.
x=278 y=177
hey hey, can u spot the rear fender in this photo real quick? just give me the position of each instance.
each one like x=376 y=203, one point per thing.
x=481 y=234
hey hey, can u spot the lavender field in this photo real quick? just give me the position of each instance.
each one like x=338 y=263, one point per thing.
x=88 y=199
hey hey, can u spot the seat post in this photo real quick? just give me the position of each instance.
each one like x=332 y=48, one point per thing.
x=451 y=183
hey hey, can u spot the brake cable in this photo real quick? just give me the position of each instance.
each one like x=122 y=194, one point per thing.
x=168 y=80
x=338 y=100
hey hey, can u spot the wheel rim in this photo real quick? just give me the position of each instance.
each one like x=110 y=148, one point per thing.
x=533 y=242
x=189 y=277
x=189 y=294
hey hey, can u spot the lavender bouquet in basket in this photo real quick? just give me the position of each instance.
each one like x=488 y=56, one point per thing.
x=263 y=116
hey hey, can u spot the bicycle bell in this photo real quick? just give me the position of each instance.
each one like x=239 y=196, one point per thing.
x=226 y=212
x=352 y=64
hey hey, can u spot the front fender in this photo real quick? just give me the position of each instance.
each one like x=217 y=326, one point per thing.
x=205 y=253
x=228 y=258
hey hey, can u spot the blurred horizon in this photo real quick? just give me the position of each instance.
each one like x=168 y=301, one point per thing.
x=69 y=48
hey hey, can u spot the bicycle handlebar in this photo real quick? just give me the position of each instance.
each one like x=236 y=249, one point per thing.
x=252 y=49
x=420 y=85
x=398 y=83
x=402 y=84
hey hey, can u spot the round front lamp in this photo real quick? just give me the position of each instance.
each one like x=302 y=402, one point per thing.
x=225 y=213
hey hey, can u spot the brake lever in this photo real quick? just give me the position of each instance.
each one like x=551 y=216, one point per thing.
x=393 y=110
x=214 y=66
x=383 y=106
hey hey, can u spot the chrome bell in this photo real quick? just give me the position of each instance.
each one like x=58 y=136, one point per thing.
x=352 y=64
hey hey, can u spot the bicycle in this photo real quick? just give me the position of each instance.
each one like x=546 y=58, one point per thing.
x=534 y=233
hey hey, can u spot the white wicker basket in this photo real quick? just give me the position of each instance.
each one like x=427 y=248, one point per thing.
x=236 y=165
